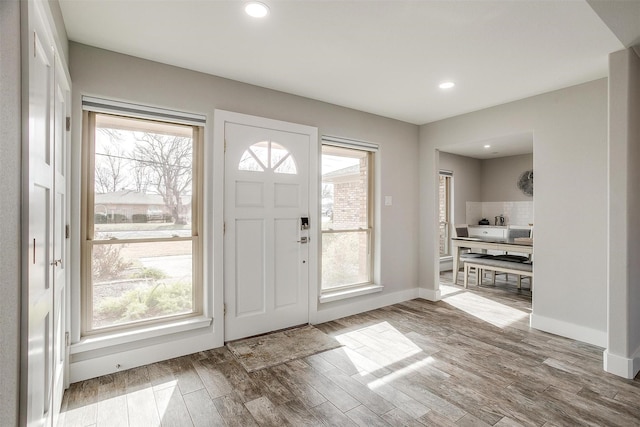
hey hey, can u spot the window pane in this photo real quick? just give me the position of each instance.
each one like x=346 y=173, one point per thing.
x=261 y=151
x=143 y=179
x=140 y=281
x=345 y=259
x=444 y=213
x=277 y=153
x=281 y=160
x=345 y=187
x=288 y=166
x=249 y=163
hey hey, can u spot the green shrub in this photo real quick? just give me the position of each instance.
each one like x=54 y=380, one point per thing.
x=139 y=218
x=149 y=273
x=117 y=218
x=100 y=218
x=146 y=303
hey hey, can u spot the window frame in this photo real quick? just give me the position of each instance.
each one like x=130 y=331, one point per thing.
x=88 y=222
x=448 y=176
x=371 y=152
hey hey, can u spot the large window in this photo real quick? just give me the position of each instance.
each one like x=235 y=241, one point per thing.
x=347 y=217
x=141 y=233
x=444 y=212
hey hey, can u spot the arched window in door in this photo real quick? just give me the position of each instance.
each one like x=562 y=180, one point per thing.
x=267 y=155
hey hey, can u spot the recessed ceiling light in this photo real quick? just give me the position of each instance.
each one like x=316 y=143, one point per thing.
x=256 y=9
x=487 y=146
x=446 y=85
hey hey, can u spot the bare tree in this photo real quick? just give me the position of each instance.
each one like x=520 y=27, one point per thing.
x=109 y=170
x=141 y=179
x=167 y=160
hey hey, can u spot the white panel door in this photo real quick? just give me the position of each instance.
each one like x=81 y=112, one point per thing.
x=266 y=249
x=60 y=250
x=45 y=309
x=40 y=232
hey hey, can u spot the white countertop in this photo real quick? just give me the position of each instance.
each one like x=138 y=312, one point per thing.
x=498 y=226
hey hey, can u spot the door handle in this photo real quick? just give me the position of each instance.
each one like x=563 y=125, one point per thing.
x=304 y=240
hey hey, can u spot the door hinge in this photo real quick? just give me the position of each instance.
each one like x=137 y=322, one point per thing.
x=225 y=145
x=67 y=341
x=224 y=228
x=68 y=124
x=35 y=43
x=67 y=231
x=224 y=309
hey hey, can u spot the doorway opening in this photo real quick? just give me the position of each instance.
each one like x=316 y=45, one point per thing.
x=486 y=201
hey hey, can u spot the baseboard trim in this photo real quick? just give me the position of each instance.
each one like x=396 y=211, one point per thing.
x=84 y=366
x=430 y=294
x=622 y=366
x=357 y=305
x=568 y=330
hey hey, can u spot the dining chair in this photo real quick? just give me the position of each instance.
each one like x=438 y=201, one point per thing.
x=462 y=230
x=512 y=233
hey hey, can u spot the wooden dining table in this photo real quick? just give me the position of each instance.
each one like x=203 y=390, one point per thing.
x=485 y=244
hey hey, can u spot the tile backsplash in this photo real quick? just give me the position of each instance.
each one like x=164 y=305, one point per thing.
x=515 y=213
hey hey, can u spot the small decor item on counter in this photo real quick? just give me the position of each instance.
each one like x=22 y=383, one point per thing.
x=483 y=221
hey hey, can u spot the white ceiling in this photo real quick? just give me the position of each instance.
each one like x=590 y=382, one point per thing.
x=499 y=146
x=382 y=57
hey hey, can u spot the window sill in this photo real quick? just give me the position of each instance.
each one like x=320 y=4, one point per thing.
x=123 y=337
x=349 y=293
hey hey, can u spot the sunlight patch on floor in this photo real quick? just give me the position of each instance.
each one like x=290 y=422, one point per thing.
x=487 y=310
x=164 y=396
x=379 y=346
x=399 y=373
x=448 y=290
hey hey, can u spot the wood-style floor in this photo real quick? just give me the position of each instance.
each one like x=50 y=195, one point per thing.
x=468 y=360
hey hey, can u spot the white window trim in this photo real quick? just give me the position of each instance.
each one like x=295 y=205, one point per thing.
x=97 y=342
x=355 y=291
x=154 y=327
x=137 y=111
x=374 y=286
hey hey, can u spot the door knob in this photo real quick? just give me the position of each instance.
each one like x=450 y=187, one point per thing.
x=57 y=262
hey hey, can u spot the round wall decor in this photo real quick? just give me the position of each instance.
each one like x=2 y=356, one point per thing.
x=525 y=182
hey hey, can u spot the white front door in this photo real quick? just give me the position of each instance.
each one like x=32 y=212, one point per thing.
x=267 y=211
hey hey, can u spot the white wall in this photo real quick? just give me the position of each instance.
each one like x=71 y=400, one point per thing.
x=10 y=184
x=623 y=350
x=500 y=177
x=106 y=74
x=467 y=182
x=570 y=163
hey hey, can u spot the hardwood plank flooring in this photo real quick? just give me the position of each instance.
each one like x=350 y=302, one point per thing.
x=468 y=360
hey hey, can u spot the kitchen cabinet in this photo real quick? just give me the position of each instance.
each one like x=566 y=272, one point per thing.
x=487 y=231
